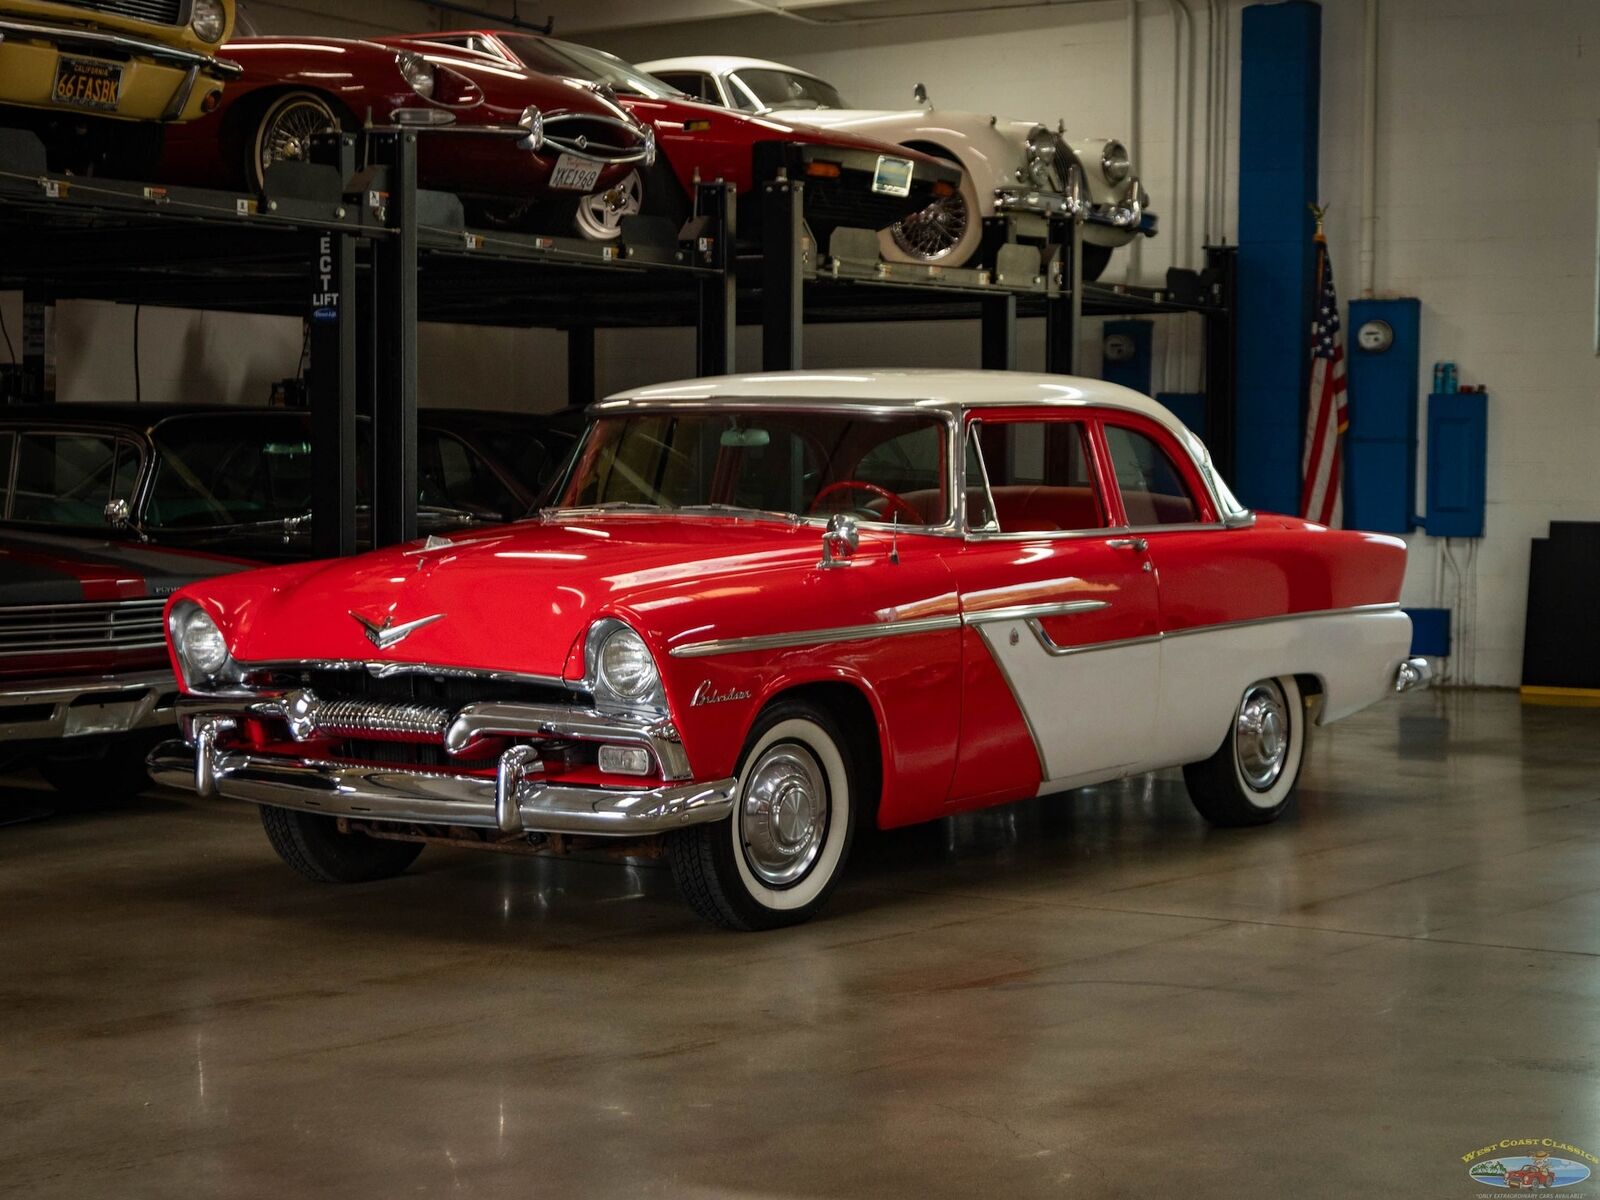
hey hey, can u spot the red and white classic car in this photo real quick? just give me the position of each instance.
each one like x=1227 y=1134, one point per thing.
x=765 y=610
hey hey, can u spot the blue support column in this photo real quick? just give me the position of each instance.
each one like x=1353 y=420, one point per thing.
x=1279 y=116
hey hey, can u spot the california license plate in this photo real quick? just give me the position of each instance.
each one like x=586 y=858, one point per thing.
x=88 y=83
x=575 y=174
x=893 y=176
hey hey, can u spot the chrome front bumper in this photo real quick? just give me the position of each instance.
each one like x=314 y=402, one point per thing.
x=1413 y=674
x=75 y=38
x=40 y=710
x=510 y=804
x=1128 y=214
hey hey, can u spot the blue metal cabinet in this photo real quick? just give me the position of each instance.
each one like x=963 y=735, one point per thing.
x=1458 y=448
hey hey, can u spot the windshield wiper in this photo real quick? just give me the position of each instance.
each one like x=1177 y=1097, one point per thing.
x=610 y=506
x=738 y=510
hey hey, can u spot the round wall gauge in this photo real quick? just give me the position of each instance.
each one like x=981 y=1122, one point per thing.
x=1120 y=348
x=1375 y=336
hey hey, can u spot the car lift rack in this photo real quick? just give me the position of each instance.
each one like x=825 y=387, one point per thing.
x=350 y=244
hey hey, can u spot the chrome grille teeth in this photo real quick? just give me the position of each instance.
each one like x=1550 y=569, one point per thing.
x=386 y=722
x=159 y=12
x=85 y=626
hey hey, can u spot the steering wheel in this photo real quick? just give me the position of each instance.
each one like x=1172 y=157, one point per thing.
x=895 y=503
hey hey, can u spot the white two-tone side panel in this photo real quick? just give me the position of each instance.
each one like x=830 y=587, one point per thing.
x=1090 y=711
x=1204 y=672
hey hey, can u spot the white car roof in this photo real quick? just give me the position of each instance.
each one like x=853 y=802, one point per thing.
x=719 y=64
x=907 y=388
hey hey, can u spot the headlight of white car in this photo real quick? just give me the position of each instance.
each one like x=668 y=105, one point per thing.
x=1046 y=167
x=1114 y=161
x=201 y=649
x=622 y=669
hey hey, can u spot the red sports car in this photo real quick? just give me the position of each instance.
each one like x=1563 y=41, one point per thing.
x=764 y=611
x=490 y=132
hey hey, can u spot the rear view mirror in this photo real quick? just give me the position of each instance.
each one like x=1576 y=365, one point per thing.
x=746 y=439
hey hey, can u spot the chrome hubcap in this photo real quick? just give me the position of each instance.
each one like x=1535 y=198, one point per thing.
x=935 y=231
x=600 y=215
x=784 y=818
x=1261 y=734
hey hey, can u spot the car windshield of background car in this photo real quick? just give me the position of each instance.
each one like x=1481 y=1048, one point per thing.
x=760 y=88
x=581 y=62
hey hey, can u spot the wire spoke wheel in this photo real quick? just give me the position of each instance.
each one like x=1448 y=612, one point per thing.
x=288 y=127
x=599 y=216
x=935 y=231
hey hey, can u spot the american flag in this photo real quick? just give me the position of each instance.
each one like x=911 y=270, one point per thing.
x=1326 y=414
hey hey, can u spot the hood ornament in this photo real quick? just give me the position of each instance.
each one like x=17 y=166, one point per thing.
x=388 y=633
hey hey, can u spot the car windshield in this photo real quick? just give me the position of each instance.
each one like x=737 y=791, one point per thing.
x=793 y=463
x=230 y=470
x=757 y=88
x=583 y=62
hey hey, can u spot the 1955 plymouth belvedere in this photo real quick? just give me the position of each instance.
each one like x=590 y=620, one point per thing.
x=763 y=611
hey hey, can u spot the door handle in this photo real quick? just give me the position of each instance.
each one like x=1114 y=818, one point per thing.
x=1129 y=543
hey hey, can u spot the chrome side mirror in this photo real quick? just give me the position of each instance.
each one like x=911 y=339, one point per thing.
x=920 y=94
x=118 y=515
x=839 y=541
x=1239 y=520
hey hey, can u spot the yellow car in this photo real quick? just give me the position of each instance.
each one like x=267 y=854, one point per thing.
x=127 y=60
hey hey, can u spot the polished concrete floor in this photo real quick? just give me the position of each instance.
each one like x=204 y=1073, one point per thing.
x=1090 y=996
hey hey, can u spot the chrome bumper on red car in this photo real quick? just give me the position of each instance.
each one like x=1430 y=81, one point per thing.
x=38 y=710
x=518 y=799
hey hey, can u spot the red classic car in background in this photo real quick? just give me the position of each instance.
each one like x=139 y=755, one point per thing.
x=531 y=130
x=850 y=179
x=765 y=610
x=85 y=681
x=493 y=134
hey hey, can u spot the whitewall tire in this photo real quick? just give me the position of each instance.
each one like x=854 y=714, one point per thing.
x=946 y=233
x=777 y=858
x=1252 y=776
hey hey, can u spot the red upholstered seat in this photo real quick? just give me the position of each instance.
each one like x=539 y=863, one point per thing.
x=1029 y=508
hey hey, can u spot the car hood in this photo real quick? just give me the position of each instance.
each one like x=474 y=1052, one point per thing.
x=53 y=568
x=513 y=598
x=716 y=121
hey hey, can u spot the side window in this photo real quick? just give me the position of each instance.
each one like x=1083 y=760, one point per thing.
x=68 y=478
x=1041 y=477
x=1153 y=489
x=692 y=84
x=452 y=476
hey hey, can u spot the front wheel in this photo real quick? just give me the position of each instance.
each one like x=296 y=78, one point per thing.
x=651 y=191
x=284 y=130
x=1251 y=778
x=313 y=846
x=778 y=857
x=947 y=232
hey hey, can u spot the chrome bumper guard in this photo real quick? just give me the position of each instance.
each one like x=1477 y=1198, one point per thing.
x=516 y=801
x=511 y=803
x=1413 y=674
x=83 y=708
x=1072 y=203
x=96 y=39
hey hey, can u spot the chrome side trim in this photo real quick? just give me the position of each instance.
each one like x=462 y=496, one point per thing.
x=1088 y=647
x=412 y=797
x=815 y=637
x=171 y=56
x=1023 y=612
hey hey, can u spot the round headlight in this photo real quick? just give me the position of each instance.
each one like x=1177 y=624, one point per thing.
x=626 y=666
x=200 y=642
x=209 y=20
x=533 y=121
x=418 y=72
x=1114 y=162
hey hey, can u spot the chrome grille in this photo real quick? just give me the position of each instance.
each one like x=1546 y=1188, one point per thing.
x=382 y=722
x=603 y=139
x=158 y=12
x=75 y=628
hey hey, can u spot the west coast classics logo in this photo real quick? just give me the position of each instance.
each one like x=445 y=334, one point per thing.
x=1525 y=1164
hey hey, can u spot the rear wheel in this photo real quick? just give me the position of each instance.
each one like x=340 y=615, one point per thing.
x=284 y=130
x=1252 y=776
x=313 y=846
x=775 y=861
